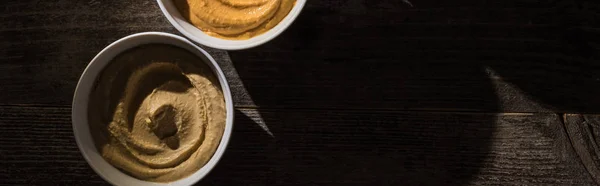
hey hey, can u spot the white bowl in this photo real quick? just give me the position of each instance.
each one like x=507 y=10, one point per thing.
x=79 y=113
x=195 y=34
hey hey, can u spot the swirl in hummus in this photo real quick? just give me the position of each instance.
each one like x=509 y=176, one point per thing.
x=157 y=113
x=234 y=19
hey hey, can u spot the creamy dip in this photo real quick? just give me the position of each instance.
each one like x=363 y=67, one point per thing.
x=157 y=113
x=234 y=19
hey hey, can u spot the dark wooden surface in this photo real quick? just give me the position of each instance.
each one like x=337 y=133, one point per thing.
x=355 y=92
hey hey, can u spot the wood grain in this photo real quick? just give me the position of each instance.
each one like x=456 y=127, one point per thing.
x=46 y=45
x=355 y=92
x=383 y=54
x=38 y=148
x=584 y=134
x=341 y=54
x=328 y=147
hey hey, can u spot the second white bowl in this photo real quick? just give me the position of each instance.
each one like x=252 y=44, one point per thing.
x=195 y=34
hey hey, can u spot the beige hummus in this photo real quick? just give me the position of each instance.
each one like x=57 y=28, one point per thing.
x=234 y=19
x=157 y=113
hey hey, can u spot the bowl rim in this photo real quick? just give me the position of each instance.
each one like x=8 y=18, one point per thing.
x=80 y=102
x=235 y=44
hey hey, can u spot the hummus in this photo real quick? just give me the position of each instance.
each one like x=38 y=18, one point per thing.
x=157 y=113
x=234 y=19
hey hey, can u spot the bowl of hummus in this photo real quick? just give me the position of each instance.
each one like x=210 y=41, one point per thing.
x=231 y=24
x=152 y=109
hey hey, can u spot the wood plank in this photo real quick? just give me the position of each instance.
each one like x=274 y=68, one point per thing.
x=437 y=55
x=584 y=133
x=328 y=147
x=38 y=148
x=380 y=54
x=45 y=46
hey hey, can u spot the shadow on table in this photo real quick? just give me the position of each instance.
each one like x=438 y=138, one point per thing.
x=345 y=110
x=355 y=96
x=249 y=158
x=566 y=78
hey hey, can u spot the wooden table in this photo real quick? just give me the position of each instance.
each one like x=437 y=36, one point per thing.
x=355 y=92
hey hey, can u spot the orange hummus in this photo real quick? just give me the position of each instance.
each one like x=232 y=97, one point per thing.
x=234 y=19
